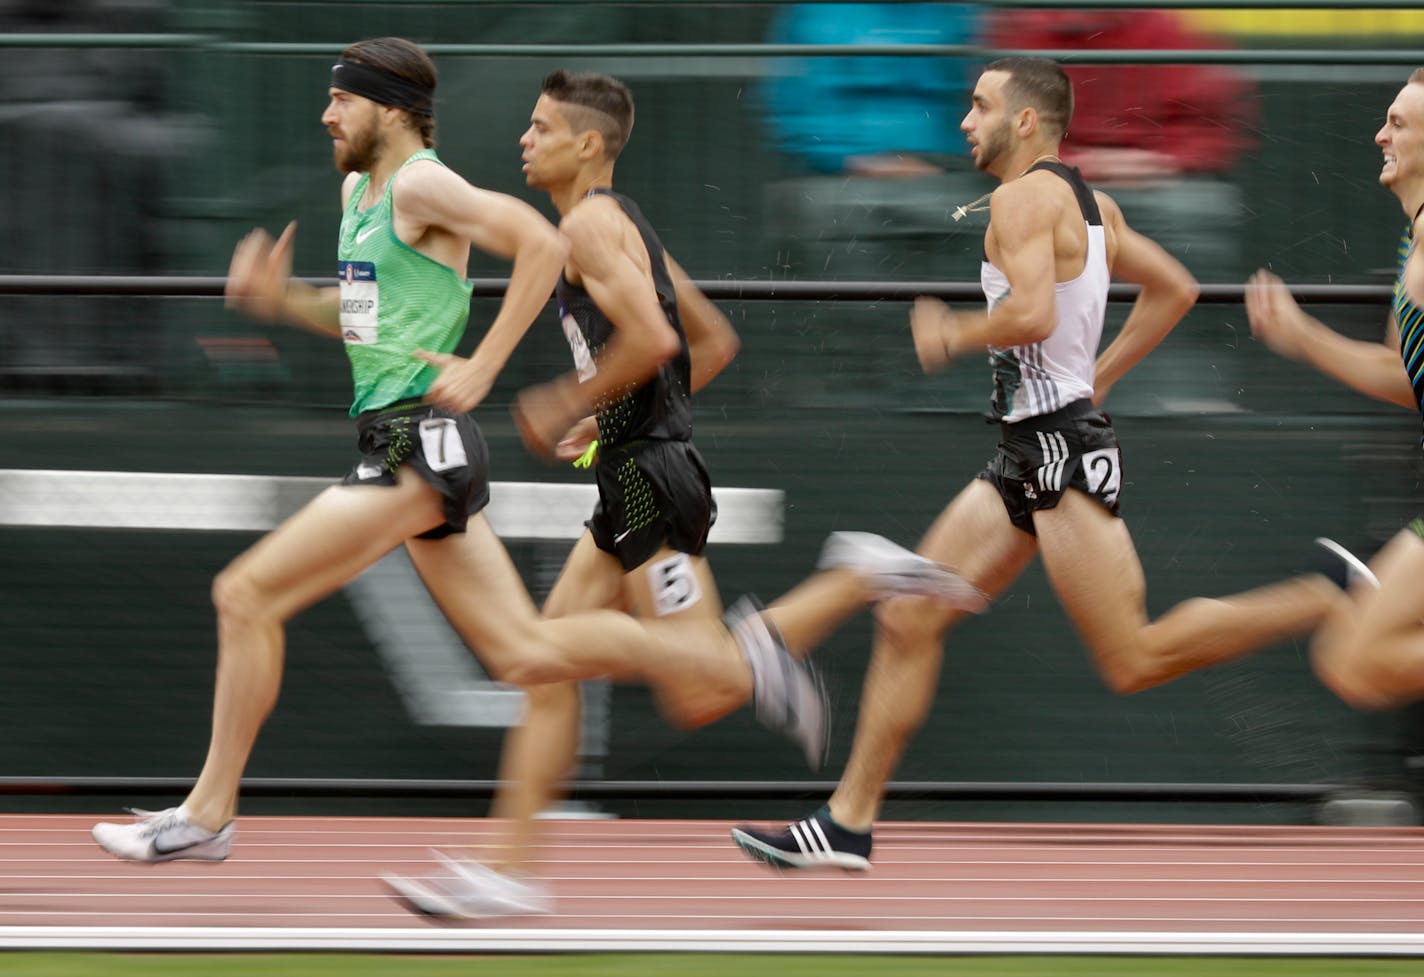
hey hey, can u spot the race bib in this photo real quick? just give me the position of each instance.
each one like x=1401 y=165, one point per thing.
x=1103 y=471
x=583 y=359
x=440 y=440
x=673 y=583
x=360 y=302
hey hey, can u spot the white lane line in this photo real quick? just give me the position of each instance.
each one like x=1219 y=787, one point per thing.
x=671 y=940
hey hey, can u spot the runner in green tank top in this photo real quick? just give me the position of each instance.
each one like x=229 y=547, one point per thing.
x=417 y=303
x=422 y=479
x=1371 y=650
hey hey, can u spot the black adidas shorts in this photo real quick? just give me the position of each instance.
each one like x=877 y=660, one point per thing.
x=448 y=450
x=651 y=493
x=1042 y=457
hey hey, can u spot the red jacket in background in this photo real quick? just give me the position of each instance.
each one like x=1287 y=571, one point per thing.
x=1201 y=116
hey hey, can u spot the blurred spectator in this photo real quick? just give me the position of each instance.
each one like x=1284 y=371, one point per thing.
x=879 y=165
x=870 y=115
x=1161 y=138
x=91 y=141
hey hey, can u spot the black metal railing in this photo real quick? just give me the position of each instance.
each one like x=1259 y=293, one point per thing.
x=725 y=289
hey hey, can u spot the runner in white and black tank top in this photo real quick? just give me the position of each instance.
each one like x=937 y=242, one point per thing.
x=1043 y=377
x=1052 y=437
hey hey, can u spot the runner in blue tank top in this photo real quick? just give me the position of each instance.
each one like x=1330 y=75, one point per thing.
x=1370 y=651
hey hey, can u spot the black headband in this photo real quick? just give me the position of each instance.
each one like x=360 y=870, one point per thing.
x=382 y=86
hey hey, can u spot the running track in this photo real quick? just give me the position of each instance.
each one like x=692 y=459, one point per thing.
x=311 y=883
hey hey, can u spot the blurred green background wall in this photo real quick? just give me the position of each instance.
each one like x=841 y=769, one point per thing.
x=131 y=159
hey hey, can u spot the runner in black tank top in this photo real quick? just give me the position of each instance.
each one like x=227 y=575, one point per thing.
x=654 y=490
x=644 y=340
x=661 y=407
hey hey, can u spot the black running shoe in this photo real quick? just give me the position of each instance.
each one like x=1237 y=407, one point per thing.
x=1344 y=568
x=816 y=842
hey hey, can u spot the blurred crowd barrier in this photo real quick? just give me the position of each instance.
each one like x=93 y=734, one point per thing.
x=143 y=137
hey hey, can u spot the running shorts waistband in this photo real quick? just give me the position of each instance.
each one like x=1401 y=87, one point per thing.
x=1055 y=419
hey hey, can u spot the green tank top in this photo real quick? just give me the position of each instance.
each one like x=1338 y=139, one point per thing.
x=394 y=300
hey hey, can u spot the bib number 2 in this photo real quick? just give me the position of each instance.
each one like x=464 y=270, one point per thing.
x=1103 y=471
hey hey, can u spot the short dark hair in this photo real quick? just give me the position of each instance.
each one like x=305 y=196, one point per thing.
x=406 y=60
x=1039 y=84
x=602 y=102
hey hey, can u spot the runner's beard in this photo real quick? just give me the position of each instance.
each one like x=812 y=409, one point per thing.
x=359 y=152
x=992 y=148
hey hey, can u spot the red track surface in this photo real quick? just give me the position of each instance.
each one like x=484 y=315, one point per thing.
x=952 y=886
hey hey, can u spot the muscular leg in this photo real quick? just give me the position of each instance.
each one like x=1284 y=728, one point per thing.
x=539 y=753
x=521 y=648
x=811 y=612
x=691 y=689
x=577 y=638
x=1093 y=568
x=974 y=536
x=1370 y=650
x=332 y=539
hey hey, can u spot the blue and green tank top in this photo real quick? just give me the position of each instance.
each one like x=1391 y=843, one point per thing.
x=1410 y=318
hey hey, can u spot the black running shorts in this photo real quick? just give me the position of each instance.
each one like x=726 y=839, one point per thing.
x=1042 y=457
x=447 y=449
x=652 y=493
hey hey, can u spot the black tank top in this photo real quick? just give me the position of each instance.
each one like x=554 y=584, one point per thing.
x=662 y=406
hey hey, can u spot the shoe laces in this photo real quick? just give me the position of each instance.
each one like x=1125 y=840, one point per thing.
x=155 y=822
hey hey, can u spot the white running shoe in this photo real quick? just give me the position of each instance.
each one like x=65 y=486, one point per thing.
x=894 y=571
x=787 y=695
x=164 y=836
x=465 y=889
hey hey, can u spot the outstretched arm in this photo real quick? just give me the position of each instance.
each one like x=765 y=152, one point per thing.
x=1168 y=291
x=259 y=282
x=1374 y=369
